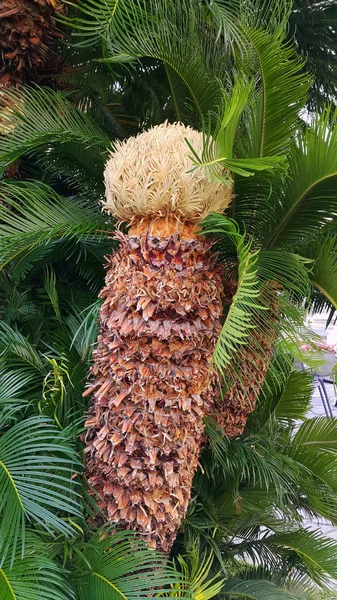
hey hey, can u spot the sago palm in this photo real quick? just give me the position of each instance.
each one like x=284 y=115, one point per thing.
x=250 y=128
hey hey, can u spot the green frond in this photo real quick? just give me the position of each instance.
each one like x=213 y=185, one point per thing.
x=32 y=213
x=198 y=582
x=295 y=400
x=254 y=460
x=318 y=434
x=75 y=166
x=265 y=14
x=36 y=465
x=240 y=318
x=13 y=387
x=314 y=446
x=280 y=93
x=13 y=343
x=163 y=30
x=33 y=576
x=290 y=270
x=33 y=117
x=323 y=253
x=238 y=589
x=317 y=552
x=84 y=329
x=220 y=167
x=120 y=566
x=310 y=200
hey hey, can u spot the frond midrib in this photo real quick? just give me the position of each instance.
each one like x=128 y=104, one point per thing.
x=288 y=216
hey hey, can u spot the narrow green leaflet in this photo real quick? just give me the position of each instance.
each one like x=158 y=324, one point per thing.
x=32 y=213
x=237 y=589
x=294 y=401
x=309 y=200
x=33 y=576
x=33 y=117
x=280 y=93
x=317 y=552
x=242 y=311
x=120 y=567
x=36 y=468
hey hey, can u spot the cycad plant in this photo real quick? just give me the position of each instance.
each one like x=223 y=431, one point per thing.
x=270 y=245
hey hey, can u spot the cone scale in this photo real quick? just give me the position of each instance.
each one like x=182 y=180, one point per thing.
x=151 y=379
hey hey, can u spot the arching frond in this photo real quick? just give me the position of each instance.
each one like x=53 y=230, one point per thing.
x=36 y=465
x=33 y=117
x=317 y=552
x=33 y=576
x=295 y=400
x=323 y=253
x=237 y=589
x=241 y=314
x=310 y=199
x=280 y=93
x=120 y=566
x=32 y=213
x=162 y=30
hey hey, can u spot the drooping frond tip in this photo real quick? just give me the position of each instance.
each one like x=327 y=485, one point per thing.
x=150 y=175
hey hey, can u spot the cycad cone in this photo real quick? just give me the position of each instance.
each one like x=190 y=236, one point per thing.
x=151 y=378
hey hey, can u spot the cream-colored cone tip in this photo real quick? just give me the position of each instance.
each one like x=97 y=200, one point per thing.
x=149 y=175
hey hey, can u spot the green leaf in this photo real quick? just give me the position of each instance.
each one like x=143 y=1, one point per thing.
x=120 y=566
x=163 y=30
x=290 y=270
x=295 y=399
x=33 y=117
x=319 y=433
x=316 y=551
x=198 y=582
x=32 y=213
x=310 y=198
x=281 y=91
x=36 y=465
x=33 y=576
x=255 y=590
x=12 y=342
x=324 y=270
x=241 y=314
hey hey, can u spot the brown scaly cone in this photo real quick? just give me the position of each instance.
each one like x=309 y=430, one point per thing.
x=151 y=378
x=159 y=323
x=27 y=29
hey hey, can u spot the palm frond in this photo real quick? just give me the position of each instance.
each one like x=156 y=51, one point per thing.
x=290 y=270
x=32 y=213
x=13 y=343
x=295 y=400
x=36 y=465
x=317 y=552
x=319 y=434
x=14 y=387
x=253 y=589
x=33 y=117
x=310 y=199
x=264 y=14
x=198 y=582
x=241 y=314
x=280 y=93
x=323 y=253
x=120 y=566
x=162 y=30
x=33 y=576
